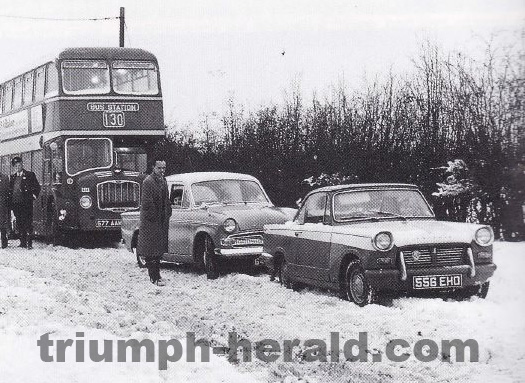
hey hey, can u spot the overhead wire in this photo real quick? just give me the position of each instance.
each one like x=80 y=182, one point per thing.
x=58 y=18
x=68 y=19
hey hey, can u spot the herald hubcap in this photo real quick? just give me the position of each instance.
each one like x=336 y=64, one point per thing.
x=358 y=286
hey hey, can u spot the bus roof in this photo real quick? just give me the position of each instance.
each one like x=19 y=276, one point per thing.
x=114 y=53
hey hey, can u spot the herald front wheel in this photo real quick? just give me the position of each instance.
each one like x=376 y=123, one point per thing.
x=357 y=288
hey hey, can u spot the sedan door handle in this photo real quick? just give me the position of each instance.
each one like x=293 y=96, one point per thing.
x=298 y=233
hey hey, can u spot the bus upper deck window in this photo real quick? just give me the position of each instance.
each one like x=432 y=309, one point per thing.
x=17 y=94
x=28 y=88
x=7 y=97
x=135 y=77
x=39 y=83
x=52 y=80
x=85 y=77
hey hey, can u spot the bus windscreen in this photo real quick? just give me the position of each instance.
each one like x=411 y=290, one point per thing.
x=84 y=154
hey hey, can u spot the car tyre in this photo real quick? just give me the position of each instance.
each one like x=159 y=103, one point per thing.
x=484 y=290
x=210 y=260
x=471 y=291
x=250 y=267
x=356 y=286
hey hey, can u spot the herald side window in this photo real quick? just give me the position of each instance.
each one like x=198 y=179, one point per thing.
x=313 y=209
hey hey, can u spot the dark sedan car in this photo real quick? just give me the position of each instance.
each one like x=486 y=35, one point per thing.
x=371 y=238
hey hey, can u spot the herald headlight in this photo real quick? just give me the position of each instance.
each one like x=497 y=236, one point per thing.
x=383 y=241
x=86 y=202
x=229 y=225
x=484 y=236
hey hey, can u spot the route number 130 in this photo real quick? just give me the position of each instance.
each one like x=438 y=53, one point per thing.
x=113 y=119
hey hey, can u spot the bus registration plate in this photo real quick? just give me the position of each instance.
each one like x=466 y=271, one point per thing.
x=113 y=119
x=108 y=223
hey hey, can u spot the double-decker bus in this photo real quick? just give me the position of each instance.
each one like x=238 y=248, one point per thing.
x=85 y=124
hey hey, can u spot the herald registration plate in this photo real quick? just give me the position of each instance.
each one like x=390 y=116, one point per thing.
x=108 y=223
x=436 y=281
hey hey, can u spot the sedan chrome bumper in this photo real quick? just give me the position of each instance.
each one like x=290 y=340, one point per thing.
x=240 y=252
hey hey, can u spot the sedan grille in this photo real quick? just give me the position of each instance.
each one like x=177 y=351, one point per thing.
x=433 y=256
x=248 y=239
x=118 y=196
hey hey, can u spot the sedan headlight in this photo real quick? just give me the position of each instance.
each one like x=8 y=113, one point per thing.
x=229 y=225
x=86 y=202
x=484 y=236
x=383 y=241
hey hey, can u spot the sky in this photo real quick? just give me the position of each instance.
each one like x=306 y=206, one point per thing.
x=254 y=51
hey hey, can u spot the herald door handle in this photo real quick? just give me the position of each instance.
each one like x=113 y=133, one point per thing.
x=298 y=233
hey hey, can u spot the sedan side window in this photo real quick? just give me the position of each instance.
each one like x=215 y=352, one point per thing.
x=176 y=196
x=313 y=209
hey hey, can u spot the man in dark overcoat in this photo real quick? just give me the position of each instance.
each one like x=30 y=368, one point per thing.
x=5 y=210
x=155 y=211
x=24 y=190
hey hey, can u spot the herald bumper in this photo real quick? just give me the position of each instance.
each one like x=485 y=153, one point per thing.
x=394 y=280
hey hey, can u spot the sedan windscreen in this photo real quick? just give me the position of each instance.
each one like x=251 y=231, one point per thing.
x=380 y=203
x=227 y=191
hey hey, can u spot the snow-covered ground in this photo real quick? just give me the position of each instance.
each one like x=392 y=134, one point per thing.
x=102 y=293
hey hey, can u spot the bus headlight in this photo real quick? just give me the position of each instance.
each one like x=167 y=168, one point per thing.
x=484 y=236
x=86 y=202
x=383 y=241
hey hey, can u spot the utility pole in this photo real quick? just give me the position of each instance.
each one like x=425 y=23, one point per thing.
x=122 y=23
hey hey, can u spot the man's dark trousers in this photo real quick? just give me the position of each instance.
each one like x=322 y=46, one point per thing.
x=3 y=234
x=24 y=223
x=153 y=265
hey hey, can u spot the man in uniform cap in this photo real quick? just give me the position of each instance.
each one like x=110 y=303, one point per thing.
x=24 y=189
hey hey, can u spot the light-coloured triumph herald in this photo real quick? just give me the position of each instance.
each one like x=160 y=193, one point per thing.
x=366 y=239
x=216 y=216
